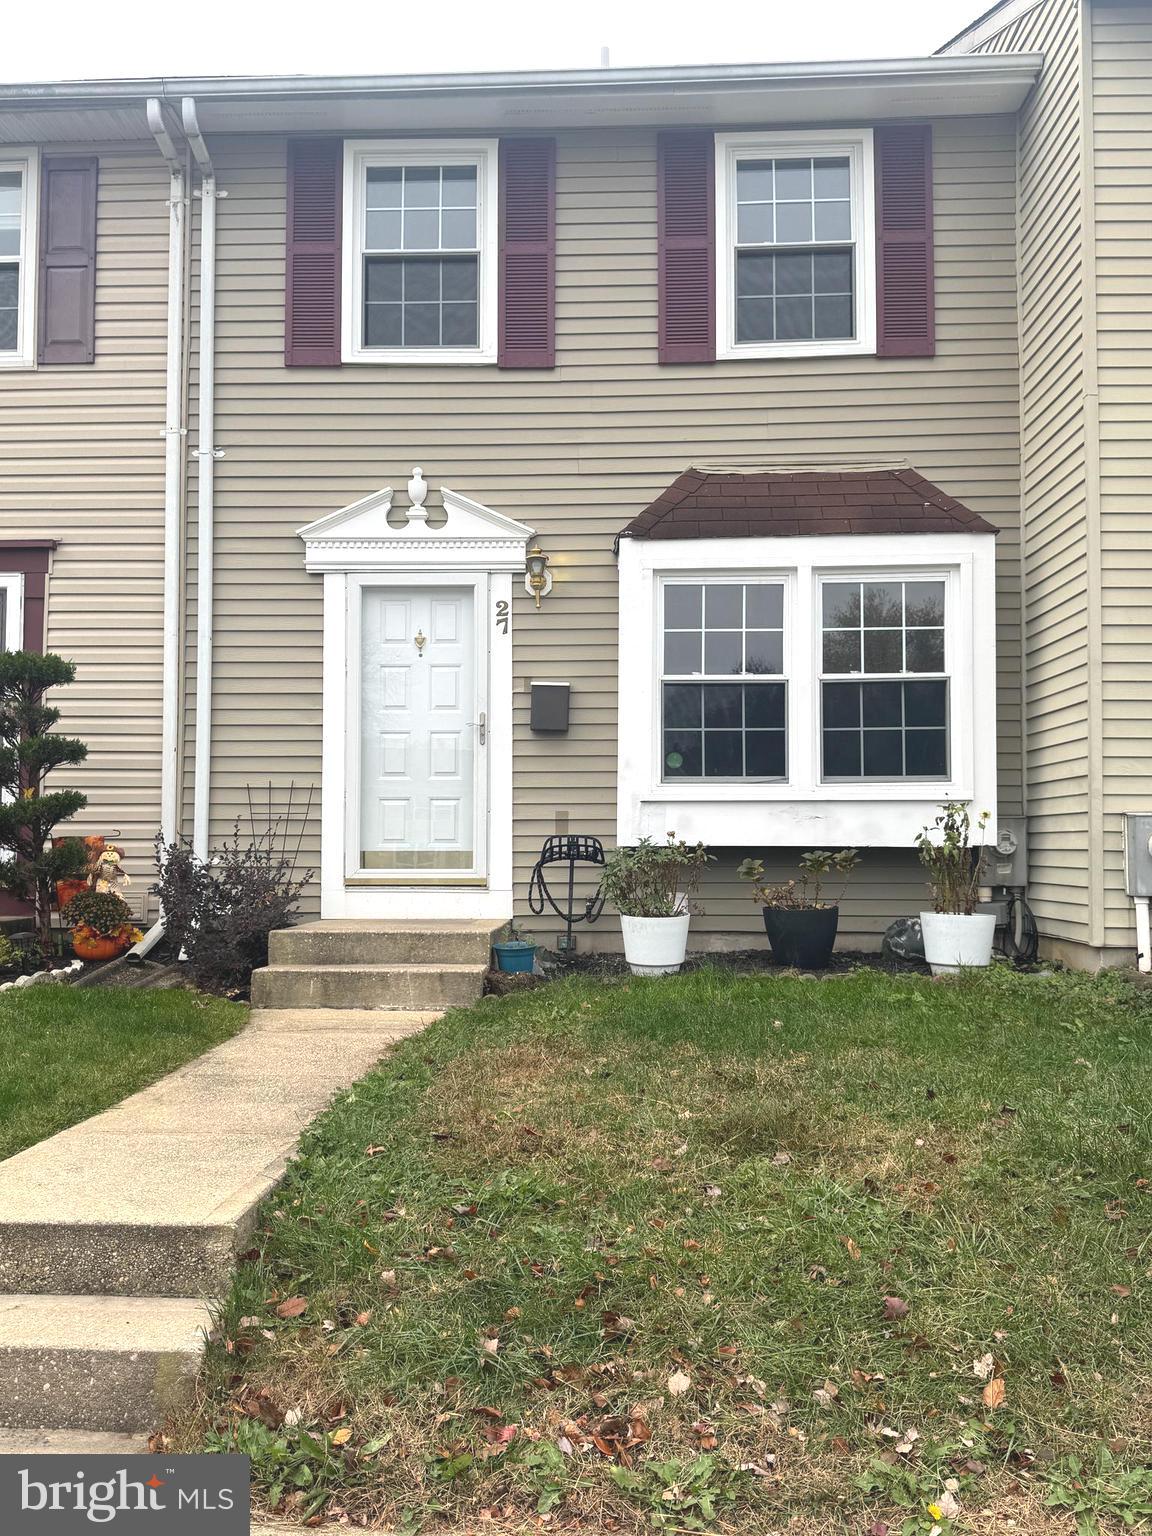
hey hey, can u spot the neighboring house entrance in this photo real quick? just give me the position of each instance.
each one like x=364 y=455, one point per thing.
x=417 y=763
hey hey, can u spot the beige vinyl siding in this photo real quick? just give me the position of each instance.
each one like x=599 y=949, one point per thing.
x=1122 y=140
x=82 y=461
x=1058 y=558
x=576 y=452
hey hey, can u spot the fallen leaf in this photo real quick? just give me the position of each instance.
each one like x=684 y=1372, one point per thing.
x=1121 y=1290
x=948 y=1505
x=894 y=1309
x=678 y=1383
x=342 y=1436
x=993 y=1394
x=781 y=1159
x=982 y=1369
x=852 y=1247
x=293 y=1307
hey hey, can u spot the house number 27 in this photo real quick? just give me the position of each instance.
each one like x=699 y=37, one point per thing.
x=502 y=616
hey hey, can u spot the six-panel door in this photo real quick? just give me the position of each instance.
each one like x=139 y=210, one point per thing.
x=418 y=730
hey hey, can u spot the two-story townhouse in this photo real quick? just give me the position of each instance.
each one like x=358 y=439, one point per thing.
x=739 y=351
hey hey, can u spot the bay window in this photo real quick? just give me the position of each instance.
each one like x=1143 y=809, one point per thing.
x=804 y=690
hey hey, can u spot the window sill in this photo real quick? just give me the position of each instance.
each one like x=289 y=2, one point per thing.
x=871 y=817
x=437 y=357
x=17 y=362
x=754 y=352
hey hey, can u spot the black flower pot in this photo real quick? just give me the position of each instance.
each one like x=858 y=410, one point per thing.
x=802 y=936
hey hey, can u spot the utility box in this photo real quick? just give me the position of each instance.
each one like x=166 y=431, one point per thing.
x=1138 y=854
x=1005 y=859
x=549 y=707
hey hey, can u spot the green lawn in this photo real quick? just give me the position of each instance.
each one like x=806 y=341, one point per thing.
x=745 y=1254
x=67 y=1053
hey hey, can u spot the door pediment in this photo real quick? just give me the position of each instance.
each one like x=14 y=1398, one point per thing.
x=360 y=537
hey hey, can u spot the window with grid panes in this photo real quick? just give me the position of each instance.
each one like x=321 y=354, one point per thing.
x=723 y=689
x=884 y=679
x=13 y=255
x=421 y=254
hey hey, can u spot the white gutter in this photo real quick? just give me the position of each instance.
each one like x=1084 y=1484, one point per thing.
x=205 y=484
x=175 y=433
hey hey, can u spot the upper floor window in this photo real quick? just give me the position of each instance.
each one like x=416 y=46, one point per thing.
x=420 y=252
x=17 y=260
x=796 y=243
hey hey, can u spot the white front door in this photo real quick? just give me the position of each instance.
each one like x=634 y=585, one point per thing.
x=420 y=816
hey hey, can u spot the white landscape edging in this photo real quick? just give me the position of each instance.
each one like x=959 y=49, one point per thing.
x=38 y=977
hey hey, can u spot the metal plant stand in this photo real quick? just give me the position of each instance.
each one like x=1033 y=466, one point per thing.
x=570 y=850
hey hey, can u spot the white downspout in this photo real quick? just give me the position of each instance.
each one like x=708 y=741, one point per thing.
x=175 y=433
x=206 y=456
x=1143 y=934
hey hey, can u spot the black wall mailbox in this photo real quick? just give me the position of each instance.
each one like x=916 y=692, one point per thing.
x=549 y=706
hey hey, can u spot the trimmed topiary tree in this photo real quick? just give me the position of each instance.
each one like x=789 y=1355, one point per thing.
x=29 y=865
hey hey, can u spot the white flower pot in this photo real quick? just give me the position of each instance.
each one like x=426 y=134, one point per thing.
x=655 y=946
x=953 y=941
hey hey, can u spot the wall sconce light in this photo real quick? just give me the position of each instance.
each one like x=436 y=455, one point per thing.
x=538 y=578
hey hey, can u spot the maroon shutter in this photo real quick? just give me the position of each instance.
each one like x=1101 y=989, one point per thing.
x=312 y=279
x=67 y=321
x=527 y=253
x=686 y=204
x=906 y=307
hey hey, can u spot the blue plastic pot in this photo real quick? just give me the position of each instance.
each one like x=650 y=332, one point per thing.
x=514 y=955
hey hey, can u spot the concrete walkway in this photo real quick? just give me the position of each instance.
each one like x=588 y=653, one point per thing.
x=115 y=1232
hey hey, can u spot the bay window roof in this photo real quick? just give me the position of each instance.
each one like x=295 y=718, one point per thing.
x=788 y=503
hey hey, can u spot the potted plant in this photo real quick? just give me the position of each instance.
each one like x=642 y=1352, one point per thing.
x=101 y=925
x=801 y=925
x=649 y=885
x=954 y=934
x=515 y=953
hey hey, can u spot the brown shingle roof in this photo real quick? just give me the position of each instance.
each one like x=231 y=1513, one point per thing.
x=703 y=504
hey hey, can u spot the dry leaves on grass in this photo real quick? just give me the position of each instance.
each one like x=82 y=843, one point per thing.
x=993 y=1394
x=295 y=1306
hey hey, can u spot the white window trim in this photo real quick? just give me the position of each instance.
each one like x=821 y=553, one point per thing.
x=781 y=579
x=805 y=810
x=358 y=156
x=856 y=143
x=12 y=583
x=952 y=600
x=28 y=162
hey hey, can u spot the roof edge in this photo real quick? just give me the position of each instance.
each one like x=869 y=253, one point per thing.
x=593 y=81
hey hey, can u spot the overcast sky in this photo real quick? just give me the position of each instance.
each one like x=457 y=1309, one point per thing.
x=84 y=39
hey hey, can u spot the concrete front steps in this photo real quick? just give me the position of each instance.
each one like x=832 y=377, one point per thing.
x=348 y=963
x=114 y=1232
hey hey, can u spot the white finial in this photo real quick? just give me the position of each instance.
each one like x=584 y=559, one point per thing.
x=417 y=491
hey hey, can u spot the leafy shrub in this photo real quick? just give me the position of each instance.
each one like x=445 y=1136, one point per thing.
x=29 y=750
x=803 y=894
x=11 y=957
x=952 y=863
x=653 y=879
x=220 y=910
x=102 y=911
